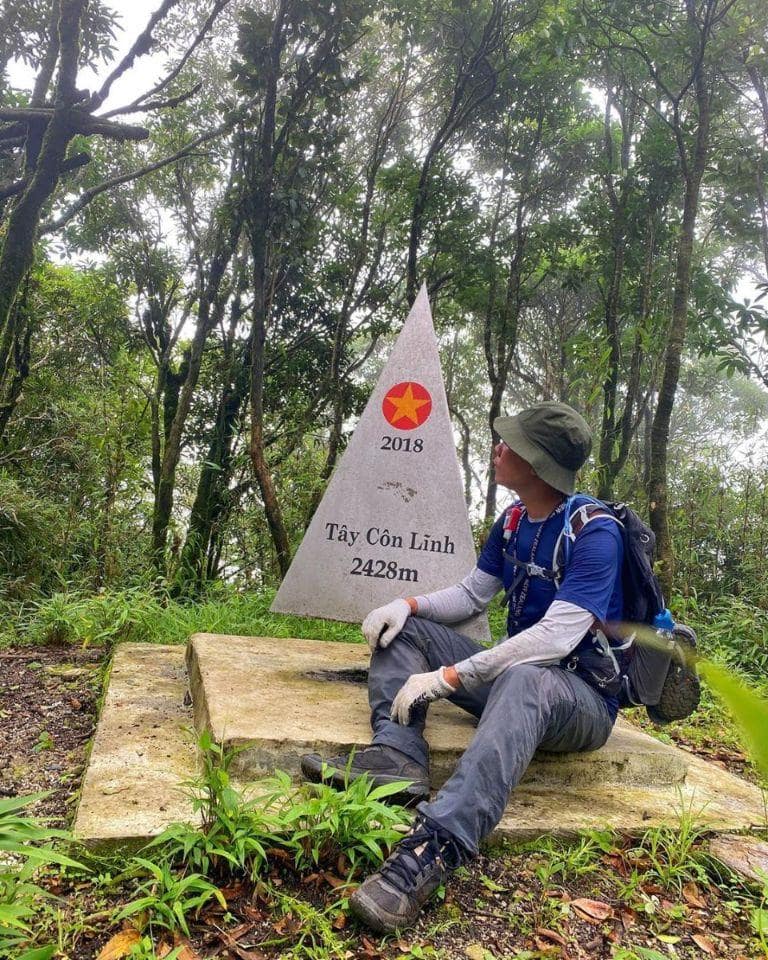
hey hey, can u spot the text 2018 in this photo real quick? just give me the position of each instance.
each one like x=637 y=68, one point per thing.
x=406 y=444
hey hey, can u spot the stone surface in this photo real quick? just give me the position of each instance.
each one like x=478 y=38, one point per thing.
x=393 y=521
x=143 y=750
x=278 y=699
x=143 y=753
x=744 y=855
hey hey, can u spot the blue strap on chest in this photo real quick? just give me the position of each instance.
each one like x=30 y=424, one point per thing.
x=563 y=542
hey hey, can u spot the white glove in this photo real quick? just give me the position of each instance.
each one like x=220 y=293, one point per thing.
x=383 y=624
x=417 y=689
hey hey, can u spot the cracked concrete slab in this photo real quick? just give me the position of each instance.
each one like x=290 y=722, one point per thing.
x=275 y=699
x=278 y=699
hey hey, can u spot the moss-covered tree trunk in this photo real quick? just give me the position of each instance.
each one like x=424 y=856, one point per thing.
x=45 y=167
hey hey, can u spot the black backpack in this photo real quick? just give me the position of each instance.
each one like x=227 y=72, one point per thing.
x=659 y=676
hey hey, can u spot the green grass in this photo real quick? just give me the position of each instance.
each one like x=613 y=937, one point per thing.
x=138 y=615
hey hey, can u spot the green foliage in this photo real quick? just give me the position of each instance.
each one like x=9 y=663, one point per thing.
x=749 y=709
x=243 y=834
x=637 y=953
x=25 y=846
x=168 y=898
x=317 y=938
x=760 y=919
x=29 y=526
x=234 y=832
x=566 y=861
x=100 y=619
x=323 y=822
x=671 y=852
x=144 y=949
x=143 y=615
x=313 y=823
x=732 y=630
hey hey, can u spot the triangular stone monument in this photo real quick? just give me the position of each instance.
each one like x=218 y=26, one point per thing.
x=393 y=522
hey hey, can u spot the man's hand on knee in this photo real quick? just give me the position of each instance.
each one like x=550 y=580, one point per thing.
x=418 y=689
x=383 y=624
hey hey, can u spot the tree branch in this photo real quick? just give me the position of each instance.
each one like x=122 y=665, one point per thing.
x=141 y=46
x=80 y=122
x=85 y=198
x=17 y=186
x=133 y=107
x=88 y=126
x=154 y=104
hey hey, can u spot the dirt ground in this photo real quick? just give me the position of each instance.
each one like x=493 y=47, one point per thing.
x=508 y=904
x=47 y=715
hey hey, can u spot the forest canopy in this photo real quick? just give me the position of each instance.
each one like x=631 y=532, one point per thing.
x=198 y=284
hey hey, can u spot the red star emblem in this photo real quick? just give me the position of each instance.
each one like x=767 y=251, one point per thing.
x=407 y=405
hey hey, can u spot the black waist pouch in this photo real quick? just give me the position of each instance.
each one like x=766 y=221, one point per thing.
x=597 y=665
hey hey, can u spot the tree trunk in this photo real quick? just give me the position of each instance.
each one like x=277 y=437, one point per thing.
x=657 y=486
x=759 y=84
x=611 y=382
x=21 y=357
x=390 y=120
x=618 y=202
x=472 y=87
x=19 y=244
x=209 y=506
x=417 y=222
x=499 y=358
x=494 y=410
x=259 y=222
x=210 y=309
x=693 y=171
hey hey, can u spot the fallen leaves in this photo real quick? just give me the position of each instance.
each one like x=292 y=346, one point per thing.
x=475 y=951
x=120 y=945
x=332 y=880
x=593 y=911
x=236 y=949
x=543 y=933
x=692 y=896
x=704 y=943
x=182 y=947
x=369 y=949
x=287 y=925
x=628 y=917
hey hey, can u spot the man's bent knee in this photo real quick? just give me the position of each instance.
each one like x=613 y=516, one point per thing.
x=416 y=632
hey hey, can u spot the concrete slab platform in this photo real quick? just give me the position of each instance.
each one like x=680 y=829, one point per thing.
x=715 y=799
x=143 y=751
x=278 y=699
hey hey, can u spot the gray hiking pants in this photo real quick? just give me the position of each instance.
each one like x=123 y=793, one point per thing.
x=525 y=708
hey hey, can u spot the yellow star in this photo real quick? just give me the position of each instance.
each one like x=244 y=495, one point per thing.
x=406 y=405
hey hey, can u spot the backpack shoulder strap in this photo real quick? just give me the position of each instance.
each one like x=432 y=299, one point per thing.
x=575 y=521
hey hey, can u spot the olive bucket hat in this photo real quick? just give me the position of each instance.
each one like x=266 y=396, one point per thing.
x=552 y=437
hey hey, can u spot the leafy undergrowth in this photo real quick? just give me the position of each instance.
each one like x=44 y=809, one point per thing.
x=709 y=733
x=268 y=876
x=252 y=886
x=599 y=896
x=143 y=616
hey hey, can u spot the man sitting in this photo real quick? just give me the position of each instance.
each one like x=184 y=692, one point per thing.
x=532 y=690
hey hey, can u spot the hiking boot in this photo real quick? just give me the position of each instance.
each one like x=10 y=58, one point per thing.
x=383 y=764
x=391 y=898
x=681 y=692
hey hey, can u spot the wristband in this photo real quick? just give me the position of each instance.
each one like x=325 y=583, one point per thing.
x=412 y=603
